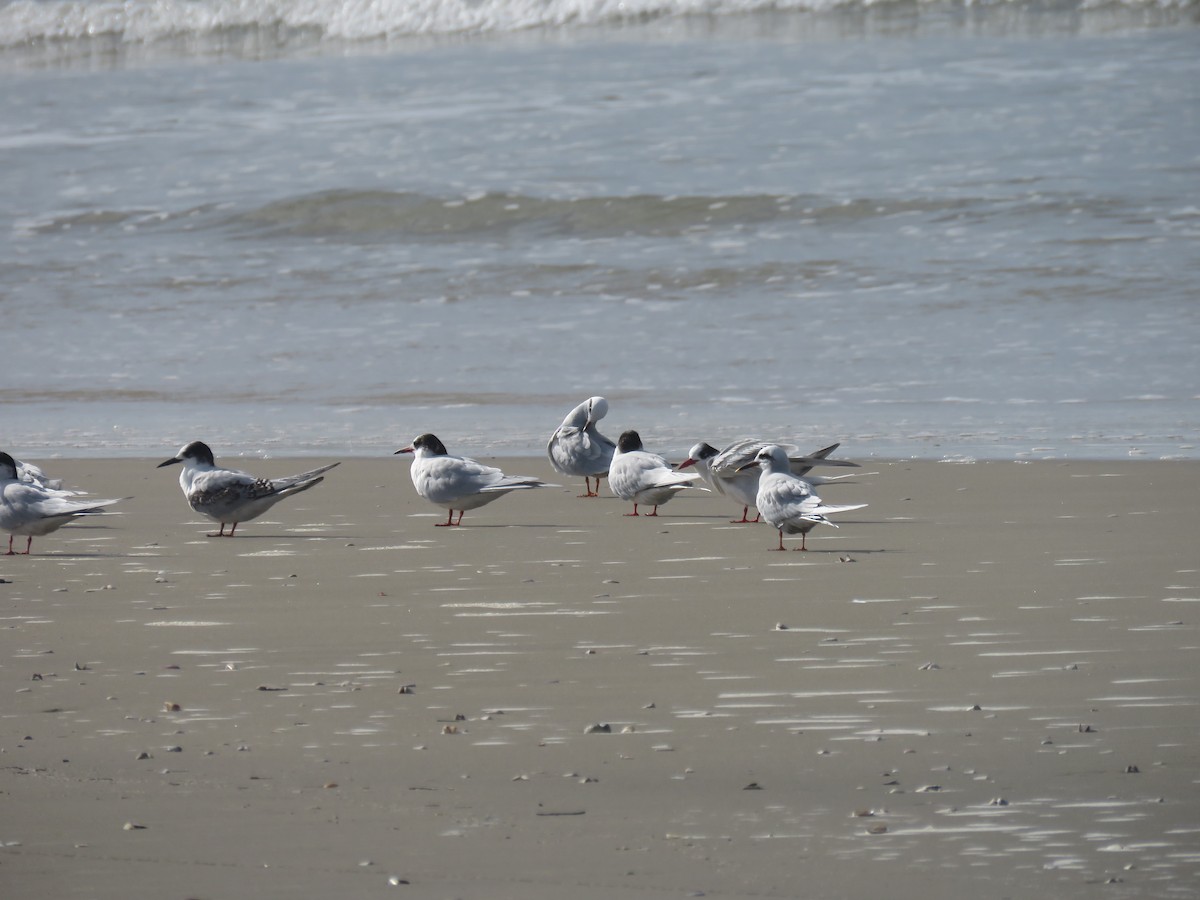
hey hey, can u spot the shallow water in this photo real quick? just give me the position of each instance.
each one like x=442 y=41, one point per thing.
x=926 y=231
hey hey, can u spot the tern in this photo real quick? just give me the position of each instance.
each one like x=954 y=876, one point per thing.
x=642 y=477
x=459 y=482
x=726 y=471
x=787 y=501
x=31 y=473
x=33 y=510
x=231 y=496
x=578 y=448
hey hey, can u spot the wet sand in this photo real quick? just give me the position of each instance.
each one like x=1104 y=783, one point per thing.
x=985 y=684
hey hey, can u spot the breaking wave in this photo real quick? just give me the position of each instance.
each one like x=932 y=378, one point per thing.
x=204 y=25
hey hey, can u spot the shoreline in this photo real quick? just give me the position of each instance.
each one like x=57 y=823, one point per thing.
x=996 y=696
x=248 y=453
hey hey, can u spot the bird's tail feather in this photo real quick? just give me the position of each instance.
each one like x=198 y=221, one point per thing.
x=826 y=510
x=302 y=486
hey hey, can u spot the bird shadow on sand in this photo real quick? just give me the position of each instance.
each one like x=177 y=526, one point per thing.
x=842 y=551
x=66 y=555
x=239 y=537
x=70 y=535
x=495 y=525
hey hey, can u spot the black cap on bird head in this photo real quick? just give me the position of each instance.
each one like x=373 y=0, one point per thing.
x=629 y=440
x=428 y=442
x=197 y=450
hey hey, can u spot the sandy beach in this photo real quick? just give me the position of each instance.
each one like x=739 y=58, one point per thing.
x=984 y=684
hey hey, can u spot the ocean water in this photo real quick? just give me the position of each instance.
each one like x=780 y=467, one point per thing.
x=920 y=229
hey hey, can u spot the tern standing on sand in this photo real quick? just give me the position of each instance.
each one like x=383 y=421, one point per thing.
x=787 y=501
x=578 y=448
x=642 y=477
x=229 y=496
x=33 y=510
x=458 y=482
x=728 y=471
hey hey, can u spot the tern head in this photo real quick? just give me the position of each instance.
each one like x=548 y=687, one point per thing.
x=427 y=442
x=8 y=466
x=597 y=409
x=770 y=458
x=589 y=412
x=629 y=441
x=197 y=452
x=699 y=453
x=767 y=459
